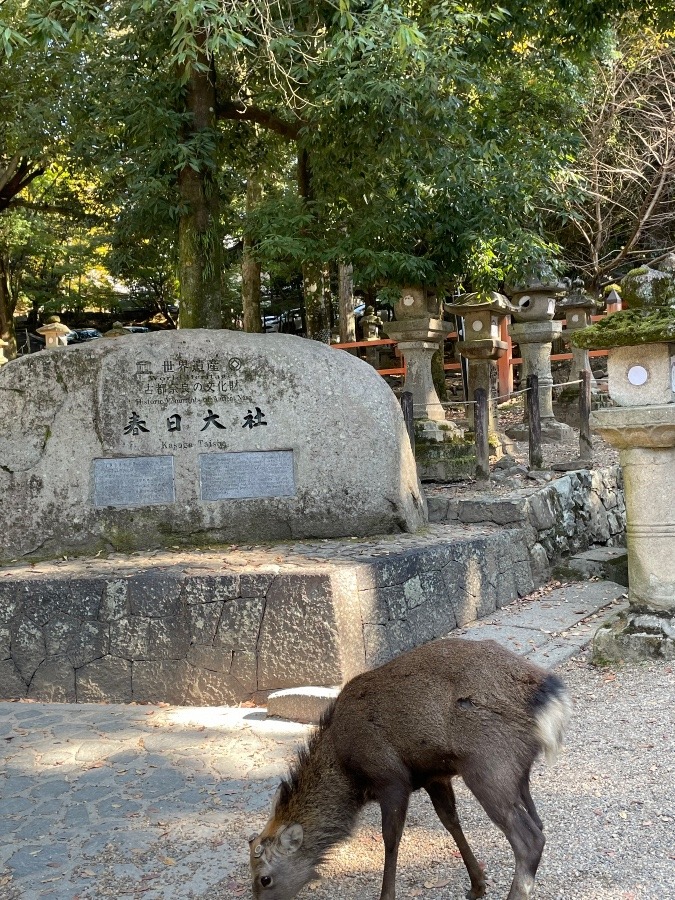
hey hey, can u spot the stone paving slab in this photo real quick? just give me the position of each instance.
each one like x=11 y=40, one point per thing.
x=556 y=627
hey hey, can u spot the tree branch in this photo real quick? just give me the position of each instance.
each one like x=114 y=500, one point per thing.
x=240 y=112
x=48 y=208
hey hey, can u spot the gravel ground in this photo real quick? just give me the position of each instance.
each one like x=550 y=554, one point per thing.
x=608 y=807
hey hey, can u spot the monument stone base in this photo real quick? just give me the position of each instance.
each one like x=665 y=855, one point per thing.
x=442 y=451
x=552 y=432
x=634 y=637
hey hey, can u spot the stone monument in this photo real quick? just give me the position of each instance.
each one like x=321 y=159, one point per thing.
x=534 y=330
x=641 y=369
x=190 y=437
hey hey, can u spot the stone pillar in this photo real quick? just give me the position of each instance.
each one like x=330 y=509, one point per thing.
x=3 y=358
x=535 y=340
x=649 y=484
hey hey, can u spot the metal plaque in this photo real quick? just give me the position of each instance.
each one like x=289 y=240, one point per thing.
x=134 y=481
x=247 y=475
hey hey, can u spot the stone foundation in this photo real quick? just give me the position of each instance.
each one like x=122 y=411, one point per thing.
x=634 y=637
x=221 y=626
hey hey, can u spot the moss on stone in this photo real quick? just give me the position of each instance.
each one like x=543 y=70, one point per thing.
x=647 y=288
x=627 y=328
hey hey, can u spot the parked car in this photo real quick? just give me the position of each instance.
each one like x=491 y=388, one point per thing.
x=79 y=335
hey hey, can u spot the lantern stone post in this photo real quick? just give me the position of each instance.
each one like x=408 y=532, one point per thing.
x=419 y=330
x=371 y=328
x=534 y=331
x=641 y=369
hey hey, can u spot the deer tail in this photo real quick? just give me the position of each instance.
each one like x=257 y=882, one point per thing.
x=552 y=708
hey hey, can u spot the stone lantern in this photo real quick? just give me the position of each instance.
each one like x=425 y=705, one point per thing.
x=534 y=331
x=371 y=324
x=117 y=331
x=578 y=307
x=54 y=332
x=371 y=327
x=482 y=314
x=3 y=358
x=441 y=453
x=613 y=301
x=420 y=331
x=641 y=367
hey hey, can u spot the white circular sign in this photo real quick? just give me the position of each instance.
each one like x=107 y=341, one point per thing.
x=637 y=375
x=477 y=325
x=575 y=317
x=408 y=300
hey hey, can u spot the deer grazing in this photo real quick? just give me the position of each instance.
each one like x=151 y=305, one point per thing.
x=448 y=708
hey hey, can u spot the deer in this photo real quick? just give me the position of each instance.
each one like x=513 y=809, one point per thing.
x=449 y=708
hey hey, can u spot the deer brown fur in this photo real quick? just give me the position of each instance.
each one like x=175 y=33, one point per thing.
x=451 y=707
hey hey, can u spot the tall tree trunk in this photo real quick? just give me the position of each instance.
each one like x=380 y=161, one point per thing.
x=7 y=307
x=316 y=308
x=250 y=267
x=346 y=301
x=200 y=245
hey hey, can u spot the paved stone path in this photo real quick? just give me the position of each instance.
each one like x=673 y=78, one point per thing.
x=156 y=802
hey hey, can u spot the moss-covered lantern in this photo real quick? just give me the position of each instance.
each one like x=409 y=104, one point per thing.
x=641 y=369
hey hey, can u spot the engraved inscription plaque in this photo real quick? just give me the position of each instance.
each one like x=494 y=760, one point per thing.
x=134 y=481
x=247 y=475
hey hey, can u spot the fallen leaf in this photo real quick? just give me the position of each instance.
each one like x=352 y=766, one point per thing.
x=439 y=883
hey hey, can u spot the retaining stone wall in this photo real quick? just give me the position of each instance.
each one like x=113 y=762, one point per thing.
x=572 y=513
x=206 y=639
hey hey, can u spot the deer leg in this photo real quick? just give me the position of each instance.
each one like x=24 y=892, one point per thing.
x=526 y=797
x=394 y=806
x=443 y=799
x=503 y=804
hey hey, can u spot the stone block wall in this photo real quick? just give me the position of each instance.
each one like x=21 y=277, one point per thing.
x=189 y=640
x=572 y=513
x=418 y=596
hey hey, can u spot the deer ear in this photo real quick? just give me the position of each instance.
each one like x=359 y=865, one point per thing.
x=275 y=799
x=289 y=839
